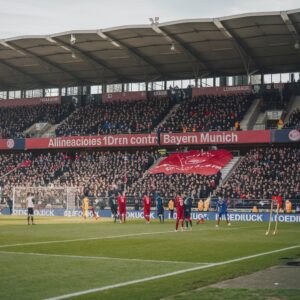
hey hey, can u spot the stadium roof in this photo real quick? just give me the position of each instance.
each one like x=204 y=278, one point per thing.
x=247 y=43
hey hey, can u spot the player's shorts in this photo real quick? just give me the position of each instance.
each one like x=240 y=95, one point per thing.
x=221 y=213
x=180 y=215
x=187 y=214
x=113 y=210
x=146 y=212
x=30 y=211
x=160 y=211
x=122 y=212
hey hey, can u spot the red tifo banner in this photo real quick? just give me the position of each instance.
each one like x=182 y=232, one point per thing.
x=216 y=137
x=123 y=97
x=194 y=162
x=30 y=101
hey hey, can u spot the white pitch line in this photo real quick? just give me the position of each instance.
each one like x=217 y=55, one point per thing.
x=86 y=239
x=113 y=237
x=113 y=286
x=104 y=258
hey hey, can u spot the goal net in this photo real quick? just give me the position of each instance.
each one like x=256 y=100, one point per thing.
x=47 y=197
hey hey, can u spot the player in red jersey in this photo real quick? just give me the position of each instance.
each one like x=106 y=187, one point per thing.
x=147 y=206
x=179 y=211
x=277 y=201
x=122 y=206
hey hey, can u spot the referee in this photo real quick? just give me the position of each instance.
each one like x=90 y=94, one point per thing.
x=30 y=207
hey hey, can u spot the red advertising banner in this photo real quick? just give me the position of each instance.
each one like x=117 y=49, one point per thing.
x=216 y=137
x=126 y=96
x=30 y=101
x=118 y=140
x=144 y=140
x=6 y=144
x=194 y=162
x=222 y=90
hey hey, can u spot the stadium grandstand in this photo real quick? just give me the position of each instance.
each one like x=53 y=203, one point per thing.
x=206 y=109
x=129 y=110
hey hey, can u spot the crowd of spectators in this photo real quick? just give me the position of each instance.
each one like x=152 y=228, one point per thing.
x=208 y=113
x=41 y=171
x=14 y=120
x=265 y=172
x=262 y=173
x=294 y=119
x=99 y=172
x=114 y=118
x=105 y=172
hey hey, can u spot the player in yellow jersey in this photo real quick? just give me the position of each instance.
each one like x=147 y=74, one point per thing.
x=85 y=206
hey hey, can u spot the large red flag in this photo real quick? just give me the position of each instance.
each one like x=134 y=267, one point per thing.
x=194 y=162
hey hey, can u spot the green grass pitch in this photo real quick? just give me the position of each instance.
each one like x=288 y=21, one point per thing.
x=62 y=256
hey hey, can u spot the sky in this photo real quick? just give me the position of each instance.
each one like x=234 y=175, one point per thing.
x=34 y=17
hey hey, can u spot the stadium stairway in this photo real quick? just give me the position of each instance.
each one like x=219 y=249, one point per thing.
x=229 y=168
x=155 y=163
x=294 y=104
x=172 y=111
x=249 y=119
x=51 y=130
x=37 y=129
x=260 y=123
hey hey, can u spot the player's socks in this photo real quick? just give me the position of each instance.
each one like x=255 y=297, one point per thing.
x=177 y=222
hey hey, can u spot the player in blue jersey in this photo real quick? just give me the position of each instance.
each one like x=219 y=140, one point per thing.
x=160 y=207
x=222 y=210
